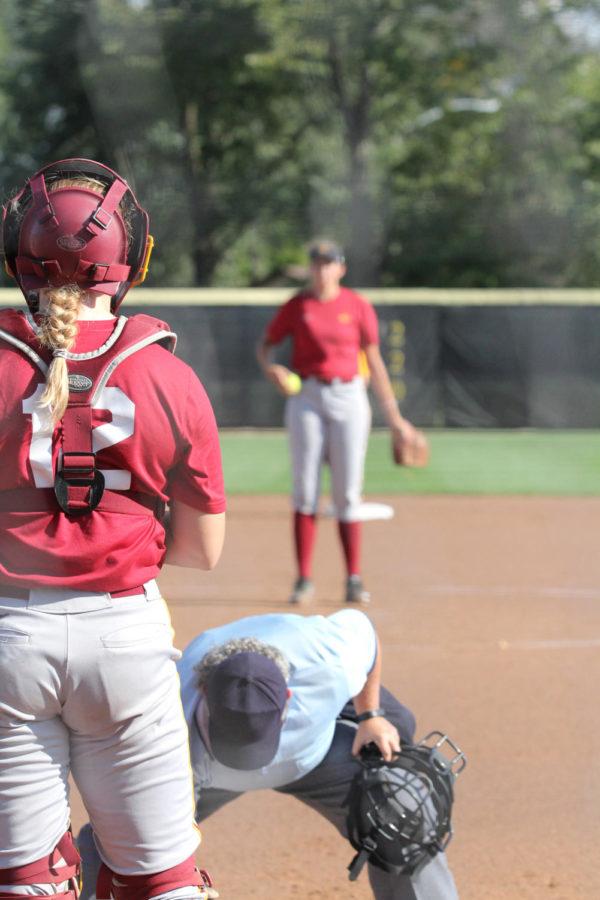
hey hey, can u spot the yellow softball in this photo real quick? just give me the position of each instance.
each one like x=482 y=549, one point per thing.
x=293 y=383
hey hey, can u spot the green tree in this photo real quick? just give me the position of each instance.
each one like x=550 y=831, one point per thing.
x=236 y=145
x=498 y=199
x=453 y=142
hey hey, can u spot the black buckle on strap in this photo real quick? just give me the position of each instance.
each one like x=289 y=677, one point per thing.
x=79 y=476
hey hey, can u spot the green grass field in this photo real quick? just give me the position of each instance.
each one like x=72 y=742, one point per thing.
x=462 y=462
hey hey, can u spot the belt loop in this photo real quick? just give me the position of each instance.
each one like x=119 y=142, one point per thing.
x=152 y=590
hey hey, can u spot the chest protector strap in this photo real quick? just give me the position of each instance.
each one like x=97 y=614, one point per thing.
x=78 y=484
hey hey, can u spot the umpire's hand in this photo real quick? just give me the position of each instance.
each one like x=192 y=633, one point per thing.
x=378 y=731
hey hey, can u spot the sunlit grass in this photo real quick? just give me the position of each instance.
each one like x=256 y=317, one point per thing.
x=462 y=462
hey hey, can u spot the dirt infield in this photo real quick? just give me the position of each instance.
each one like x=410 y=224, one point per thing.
x=489 y=615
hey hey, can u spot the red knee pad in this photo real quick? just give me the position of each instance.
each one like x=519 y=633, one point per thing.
x=48 y=870
x=112 y=886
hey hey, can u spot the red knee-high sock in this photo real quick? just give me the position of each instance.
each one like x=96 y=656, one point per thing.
x=305 y=527
x=350 y=535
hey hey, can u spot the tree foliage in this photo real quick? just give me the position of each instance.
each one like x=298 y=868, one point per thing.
x=447 y=142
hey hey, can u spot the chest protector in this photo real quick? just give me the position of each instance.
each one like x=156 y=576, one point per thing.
x=78 y=484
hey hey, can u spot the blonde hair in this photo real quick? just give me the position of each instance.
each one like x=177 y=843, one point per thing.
x=58 y=327
x=58 y=331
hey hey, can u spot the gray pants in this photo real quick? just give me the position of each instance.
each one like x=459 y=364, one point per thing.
x=325 y=790
x=329 y=422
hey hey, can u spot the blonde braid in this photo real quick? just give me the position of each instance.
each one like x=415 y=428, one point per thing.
x=58 y=331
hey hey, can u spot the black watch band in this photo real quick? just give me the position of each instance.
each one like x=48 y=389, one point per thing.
x=370 y=714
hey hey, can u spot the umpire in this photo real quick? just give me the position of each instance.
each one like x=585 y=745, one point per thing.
x=262 y=698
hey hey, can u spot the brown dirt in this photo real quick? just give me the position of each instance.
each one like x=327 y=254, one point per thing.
x=489 y=615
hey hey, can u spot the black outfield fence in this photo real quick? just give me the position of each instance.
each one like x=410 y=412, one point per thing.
x=462 y=358
x=450 y=366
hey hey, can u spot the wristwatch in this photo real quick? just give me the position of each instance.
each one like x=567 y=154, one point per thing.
x=370 y=714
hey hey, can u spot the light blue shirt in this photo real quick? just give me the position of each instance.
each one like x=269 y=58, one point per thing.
x=330 y=658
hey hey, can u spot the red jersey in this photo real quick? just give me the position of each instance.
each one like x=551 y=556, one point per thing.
x=327 y=335
x=154 y=433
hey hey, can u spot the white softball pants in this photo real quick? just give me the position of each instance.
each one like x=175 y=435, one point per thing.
x=88 y=684
x=328 y=423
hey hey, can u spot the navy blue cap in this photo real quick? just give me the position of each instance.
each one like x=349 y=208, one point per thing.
x=327 y=251
x=246 y=696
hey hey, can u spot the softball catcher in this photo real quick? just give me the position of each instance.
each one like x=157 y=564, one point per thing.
x=332 y=328
x=102 y=426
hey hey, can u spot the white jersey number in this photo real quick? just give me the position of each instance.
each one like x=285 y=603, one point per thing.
x=105 y=435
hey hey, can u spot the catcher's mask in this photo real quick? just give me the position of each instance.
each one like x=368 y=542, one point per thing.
x=399 y=812
x=74 y=234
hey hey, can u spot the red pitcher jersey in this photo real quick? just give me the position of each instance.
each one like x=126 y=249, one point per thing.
x=326 y=335
x=153 y=433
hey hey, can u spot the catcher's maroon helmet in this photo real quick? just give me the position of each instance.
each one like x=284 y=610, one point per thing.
x=74 y=235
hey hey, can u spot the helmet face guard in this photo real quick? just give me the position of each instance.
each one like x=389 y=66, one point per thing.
x=75 y=235
x=400 y=812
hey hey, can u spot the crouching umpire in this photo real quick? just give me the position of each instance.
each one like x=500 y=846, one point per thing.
x=262 y=698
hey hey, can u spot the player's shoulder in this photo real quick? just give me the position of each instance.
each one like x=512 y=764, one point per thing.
x=145 y=322
x=155 y=367
x=288 y=312
x=10 y=315
x=299 y=298
x=330 y=633
x=330 y=644
x=142 y=327
x=15 y=322
x=350 y=620
x=354 y=297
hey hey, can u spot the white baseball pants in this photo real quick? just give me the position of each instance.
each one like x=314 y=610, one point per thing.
x=329 y=422
x=88 y=684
